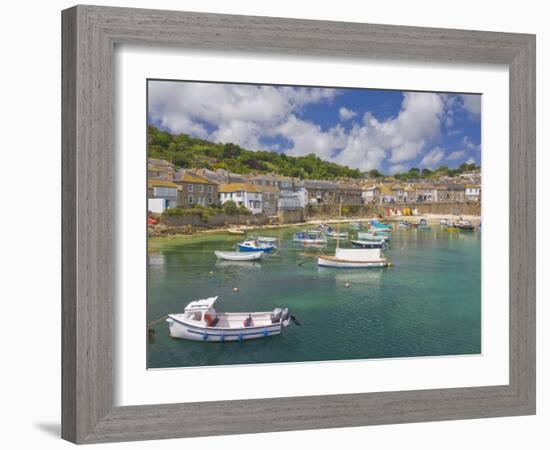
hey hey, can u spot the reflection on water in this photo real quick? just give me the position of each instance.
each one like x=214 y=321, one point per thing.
x=428 y=303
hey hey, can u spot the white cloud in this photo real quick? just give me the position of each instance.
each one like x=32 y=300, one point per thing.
x=469 y=144
x=472 y=104
x=453 y=156
x=244 y=114
x=432 y=158
x=470 y=160
x=397 y=168
x=346 y=114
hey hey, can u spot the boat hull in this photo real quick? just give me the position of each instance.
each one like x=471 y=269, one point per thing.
x=182 y=330
x=327 y=261
x=239 y=256
x=245 y=248
x=367 y=244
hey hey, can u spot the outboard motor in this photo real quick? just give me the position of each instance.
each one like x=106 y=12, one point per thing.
x=285 y=317
x=276 y=315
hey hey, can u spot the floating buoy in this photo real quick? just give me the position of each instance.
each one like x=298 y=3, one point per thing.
x=346 y=284
x=236 y=289
x=211 y=272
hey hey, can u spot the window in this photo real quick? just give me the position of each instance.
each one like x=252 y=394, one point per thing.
x=189 y=188
x=190 y=199
x=210 y=189
x=210 y=200
x=201 y=188
x=160 y=191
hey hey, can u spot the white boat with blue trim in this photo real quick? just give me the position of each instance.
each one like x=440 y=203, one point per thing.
x=201 y=322
x=238 y=256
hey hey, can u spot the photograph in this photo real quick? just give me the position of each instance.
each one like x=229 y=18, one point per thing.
x=292 y=224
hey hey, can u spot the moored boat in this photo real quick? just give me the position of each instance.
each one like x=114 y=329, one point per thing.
x=464 y=224
x=255 y=246
x=235 y=231
x=201 y=322
x=368 y=236
x=405 y=225
x=367 y=244
x=306 y=238
x=423 y=225
x=331 y=233
x=354 y=258
x=356 y=225
x=239 y=256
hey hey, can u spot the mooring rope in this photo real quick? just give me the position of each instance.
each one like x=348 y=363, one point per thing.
x=149 y=325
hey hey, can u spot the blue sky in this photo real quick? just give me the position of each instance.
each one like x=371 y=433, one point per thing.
x=391 y=131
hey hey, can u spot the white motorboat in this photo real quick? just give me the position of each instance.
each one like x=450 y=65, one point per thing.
x=307 y=238
x=201 y=322
x=239 y=256
x=367 y=236
x=354 y=258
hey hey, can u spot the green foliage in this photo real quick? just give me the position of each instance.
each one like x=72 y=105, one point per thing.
x=185 y=151
x=230 y=208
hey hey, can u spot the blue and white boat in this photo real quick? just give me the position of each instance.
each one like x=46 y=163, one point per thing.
x=201 y=322
x=380 y=226
x=367 y=244
x=255 y=246
x=307 y=238
x=368 y=236
x=331 y=233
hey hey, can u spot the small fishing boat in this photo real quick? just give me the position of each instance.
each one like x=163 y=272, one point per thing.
x=331 y=233
x=255 y=246
x=354 y=258
x=356 y=225
x=367 y=244
x=201 y=322
x=306 y=238
x=267 y=239
x=423 y=225
x=239 y=256
x=368 y=236
x=464 y=224
x=374 y=224
x=235 y=231
x=405 y=225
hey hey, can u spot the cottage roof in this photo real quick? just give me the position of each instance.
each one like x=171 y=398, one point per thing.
x=319 y=184
x=409 y=188
x=397 y=187
x=263 y=188
x=186 y=176
x=153 y=182
x=238 y=187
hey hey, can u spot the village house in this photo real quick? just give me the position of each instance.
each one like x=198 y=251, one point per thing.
x=410 y=194
x=161 y=195
x=425 y=193
x=398 y=193
x=472 y=192
x=370 y=195
x=160 y=169
x=270 y=198
x=320 y=192
x=450 y=193
x=243 y=194
x=195 y=189
x=386 y=194
x=348 y=194
x=292 y=195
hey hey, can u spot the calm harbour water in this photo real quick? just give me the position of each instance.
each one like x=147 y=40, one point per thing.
x=427 y=304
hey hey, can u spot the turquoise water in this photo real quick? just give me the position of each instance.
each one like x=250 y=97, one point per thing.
x=427 y=304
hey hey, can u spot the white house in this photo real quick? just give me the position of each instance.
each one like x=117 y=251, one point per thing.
x=243 y=194
x=473 y=192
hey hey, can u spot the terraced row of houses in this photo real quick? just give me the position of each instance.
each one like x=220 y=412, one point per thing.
x=269 y=194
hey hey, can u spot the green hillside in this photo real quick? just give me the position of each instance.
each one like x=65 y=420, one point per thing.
x=185 y=151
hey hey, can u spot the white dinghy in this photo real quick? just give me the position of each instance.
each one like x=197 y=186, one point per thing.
x=238 y=256
x=354 y=257
x=201 y=322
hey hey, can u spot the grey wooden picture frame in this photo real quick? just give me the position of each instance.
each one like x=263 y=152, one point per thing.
x=90 y=34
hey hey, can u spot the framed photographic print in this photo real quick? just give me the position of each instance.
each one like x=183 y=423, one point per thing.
x=259 y=218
